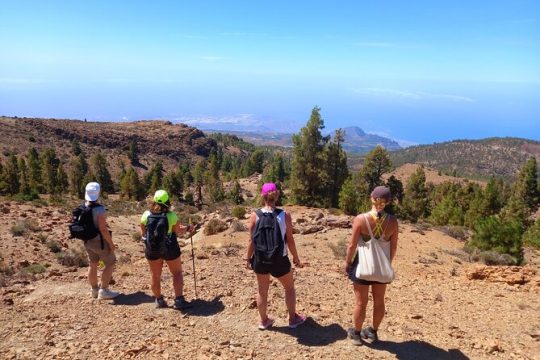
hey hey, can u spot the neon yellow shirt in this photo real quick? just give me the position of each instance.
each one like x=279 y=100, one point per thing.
x=172 y=219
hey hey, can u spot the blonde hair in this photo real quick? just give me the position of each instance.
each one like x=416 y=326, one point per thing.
x=270 y=198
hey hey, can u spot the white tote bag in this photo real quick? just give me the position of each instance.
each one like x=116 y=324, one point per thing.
x=374 y=260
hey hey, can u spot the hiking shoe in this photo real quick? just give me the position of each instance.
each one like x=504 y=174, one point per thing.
x=95 y=291
x=106 y=294
x=160 y=303
x=354 y=336
x=297 y=321
x=180 y=303
x=369 y=335
x=263 y=325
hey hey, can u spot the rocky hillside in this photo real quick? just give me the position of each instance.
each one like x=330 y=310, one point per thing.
x=440 y=306
x=155 y=139
x=472 y=158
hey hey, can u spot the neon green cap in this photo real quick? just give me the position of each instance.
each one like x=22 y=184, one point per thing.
x=161 y=197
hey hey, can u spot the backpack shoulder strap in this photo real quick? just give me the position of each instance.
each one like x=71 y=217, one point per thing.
x=259 y=213
x=278 y=211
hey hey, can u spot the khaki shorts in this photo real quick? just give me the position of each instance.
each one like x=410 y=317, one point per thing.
x=95 y=253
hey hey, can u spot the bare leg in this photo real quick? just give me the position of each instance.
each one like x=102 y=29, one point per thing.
x=92 y=274
x=106 y=276
x=287 y=281
x=175 y=267
x=361 y=293
x=156 y=267
x=263 y=282
x=378 y=304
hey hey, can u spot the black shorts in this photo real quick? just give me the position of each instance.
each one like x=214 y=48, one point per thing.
x=354 y=279
x=277 y=269
x=172 y=251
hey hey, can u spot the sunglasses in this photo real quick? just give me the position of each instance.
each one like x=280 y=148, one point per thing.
x=380 y=202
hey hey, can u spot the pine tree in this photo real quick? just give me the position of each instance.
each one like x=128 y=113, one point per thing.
x=34 y=170
x=101 y=172
x=376 y=163
x=133 y=152
x=172 y=182
x=492 y=199
x=527 y=184
x=335 y=170
x=306 y=182
x=447 y=212
x=130 y=185
x=11 y=175
x=49 y=168
x=396 y=188
x=198 y=181
x=153 y=180
x=415 y=203
x=235 y=193
x=62 y=183
x=79 y=175
x=348 y=198
x=24 y=178
x=502 y=236
x=3 y=184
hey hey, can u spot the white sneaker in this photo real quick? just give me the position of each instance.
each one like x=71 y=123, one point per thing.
x=95 y=292
x=106 y=294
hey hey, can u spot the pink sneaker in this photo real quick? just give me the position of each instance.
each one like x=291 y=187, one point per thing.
x=298 y=320
x=263 y=325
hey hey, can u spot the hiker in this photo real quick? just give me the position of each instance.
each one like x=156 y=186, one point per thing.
x=371 y=249
x=159 y=229
x=100 y=247
x=271 y=234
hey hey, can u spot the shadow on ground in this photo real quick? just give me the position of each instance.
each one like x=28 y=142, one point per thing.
x=133 y=299
x=311 y=333
x=205 y=308
x=418 y=350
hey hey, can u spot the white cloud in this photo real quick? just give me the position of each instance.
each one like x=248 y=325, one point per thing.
x=410 y=95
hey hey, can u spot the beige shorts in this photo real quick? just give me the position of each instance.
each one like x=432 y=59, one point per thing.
x=95 y=253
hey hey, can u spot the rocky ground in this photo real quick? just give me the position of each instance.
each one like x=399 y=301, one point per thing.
x=439 y=307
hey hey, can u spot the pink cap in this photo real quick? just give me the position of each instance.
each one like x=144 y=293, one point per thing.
x=268 y=187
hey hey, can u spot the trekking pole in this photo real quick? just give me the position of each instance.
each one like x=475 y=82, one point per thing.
x=193 y=260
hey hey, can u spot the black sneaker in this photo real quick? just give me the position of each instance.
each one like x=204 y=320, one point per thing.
x=160 y=303
x=354 y=336
x=180 y=303
x=369 y=335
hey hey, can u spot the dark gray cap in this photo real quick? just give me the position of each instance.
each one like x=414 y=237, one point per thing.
x=381 y=192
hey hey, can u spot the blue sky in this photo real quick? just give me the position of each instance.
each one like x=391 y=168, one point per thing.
x=420 y=71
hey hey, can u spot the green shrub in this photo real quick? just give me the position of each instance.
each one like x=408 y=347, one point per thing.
x=457 y=232
x=503 y=237
x=214 y=226
x=136 y=236
x=54 y=246
x=19 y=229
x=72 y=257
x=239 y=212
x=35 y=269
x=532 y=235
x=339 y=249
x=494 y=258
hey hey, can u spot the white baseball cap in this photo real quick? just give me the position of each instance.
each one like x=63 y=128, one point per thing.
x=92 y=191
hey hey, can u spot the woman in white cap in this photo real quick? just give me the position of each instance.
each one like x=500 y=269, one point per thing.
x=372 y=247
x=159 y=228
x=271 y=234
x=100 y=247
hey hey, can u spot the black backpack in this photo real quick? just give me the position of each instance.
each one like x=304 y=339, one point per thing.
x=157 y=227
x=268 y=241
x=82 y=223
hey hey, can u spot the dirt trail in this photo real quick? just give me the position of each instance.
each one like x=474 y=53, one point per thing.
x=433 y=310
